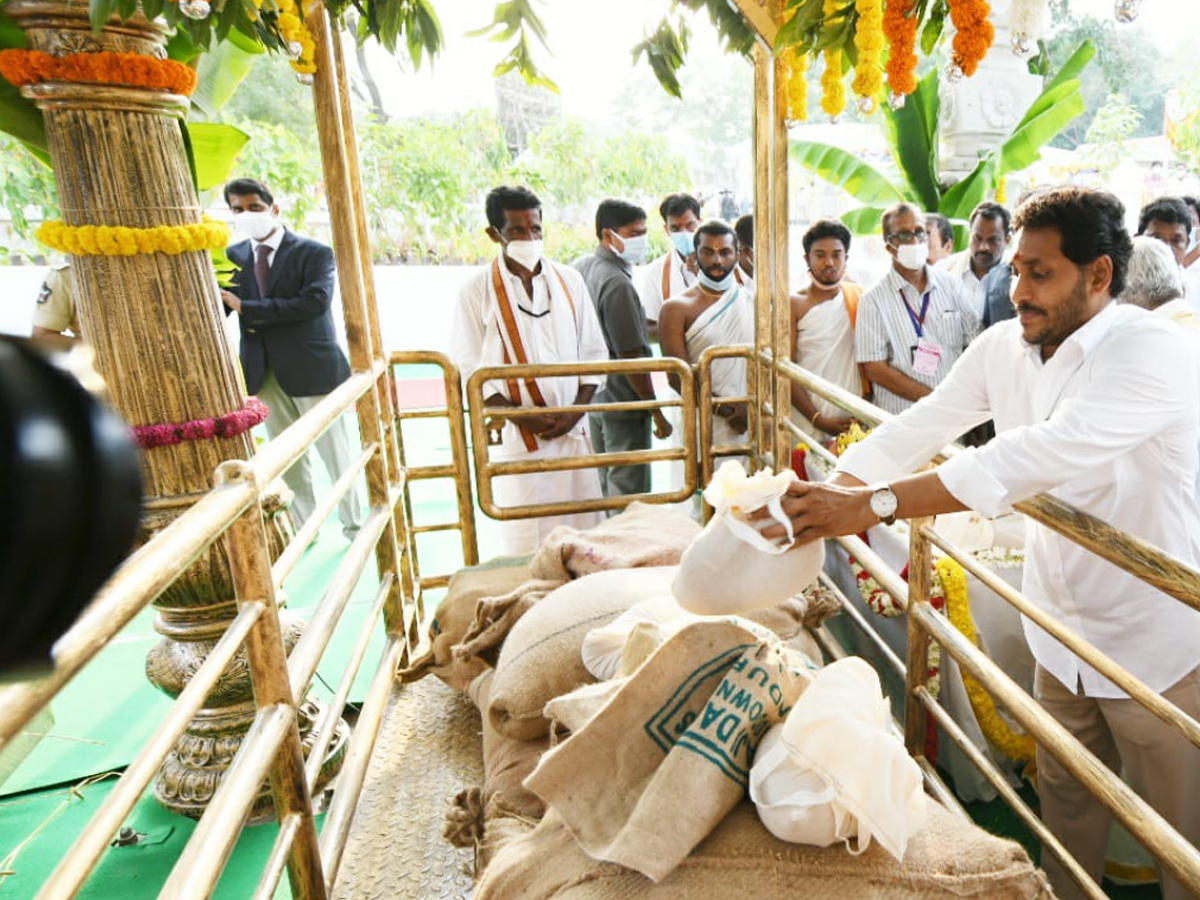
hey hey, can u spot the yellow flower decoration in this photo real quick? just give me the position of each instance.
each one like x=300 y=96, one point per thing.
x=295 y=32
x=869 y=40
x=797 y=86
x=1020 y=747
x=833 y=91
x=117 y=240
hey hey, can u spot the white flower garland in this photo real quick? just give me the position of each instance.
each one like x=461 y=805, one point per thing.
x=1026 y=20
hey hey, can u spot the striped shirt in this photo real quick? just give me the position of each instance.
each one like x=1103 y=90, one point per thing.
x=889 y=321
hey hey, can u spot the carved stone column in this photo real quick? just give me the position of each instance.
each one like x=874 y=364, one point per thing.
x=155 y=322
x=977 y=112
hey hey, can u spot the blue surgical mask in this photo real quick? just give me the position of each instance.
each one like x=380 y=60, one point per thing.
x=684 y=241
x=634 y=249
x=723 y=285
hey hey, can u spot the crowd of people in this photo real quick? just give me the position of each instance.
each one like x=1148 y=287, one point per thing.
x=1060 y=348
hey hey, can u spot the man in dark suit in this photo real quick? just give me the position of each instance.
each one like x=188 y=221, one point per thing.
x=290 y=357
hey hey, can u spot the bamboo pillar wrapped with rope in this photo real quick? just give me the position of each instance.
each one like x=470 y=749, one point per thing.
x=148 y=304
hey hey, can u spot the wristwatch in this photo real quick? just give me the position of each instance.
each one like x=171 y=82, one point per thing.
x=884 y=504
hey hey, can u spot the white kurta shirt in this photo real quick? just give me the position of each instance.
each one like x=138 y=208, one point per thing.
x=959 y=265
x=1110 y=425
x=551 y=330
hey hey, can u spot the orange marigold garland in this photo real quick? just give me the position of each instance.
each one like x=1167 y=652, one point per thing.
x=900 y=28
x=25 y=67
x=973 y=33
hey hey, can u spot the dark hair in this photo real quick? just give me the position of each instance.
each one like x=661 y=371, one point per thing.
x=896 y=209
x=1168 y=210
x=744 y=229
x=512 y=199
x=716 y=228
x=1193 y=203
x=244 y=187
x=826 y=228
x=1090 y=224
x=993 y=211
x=614 y=214
x=677 y=205
x=938 y=222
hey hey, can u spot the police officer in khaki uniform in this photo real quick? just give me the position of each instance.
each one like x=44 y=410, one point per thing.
x=55 y=321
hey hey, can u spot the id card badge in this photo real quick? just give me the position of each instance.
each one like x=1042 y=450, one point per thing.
x=926 y=357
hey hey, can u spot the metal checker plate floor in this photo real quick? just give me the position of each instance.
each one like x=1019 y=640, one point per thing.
x=429 y=749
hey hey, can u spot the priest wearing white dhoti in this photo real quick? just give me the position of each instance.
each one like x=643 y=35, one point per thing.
x=523 y=308
x=823 y=316
x=716 y=312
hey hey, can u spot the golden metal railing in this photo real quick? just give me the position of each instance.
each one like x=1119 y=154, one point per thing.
x=1171 y=576
x=486 y=470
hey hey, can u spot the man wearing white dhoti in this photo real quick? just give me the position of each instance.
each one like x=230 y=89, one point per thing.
x=521 y=309
x=823 y=316
x=716 y=312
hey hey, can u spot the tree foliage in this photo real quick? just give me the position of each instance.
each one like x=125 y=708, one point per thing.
x=1127 y=63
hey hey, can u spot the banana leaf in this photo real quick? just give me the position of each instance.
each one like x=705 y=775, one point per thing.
x=912 y=134
x=1054 y=109
x=18 y=116
x=221 y=70
x=840 y=168
x=215 y=149
x=864 y=220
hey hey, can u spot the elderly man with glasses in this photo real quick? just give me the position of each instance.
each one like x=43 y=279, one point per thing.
x=915 y=322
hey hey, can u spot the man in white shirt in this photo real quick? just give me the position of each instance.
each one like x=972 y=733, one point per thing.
x=989 y=239
x=675 y=271
x=1170 y=220
x=915 y=322
x=1098 y=407
x=941 y=237
x=523 y=308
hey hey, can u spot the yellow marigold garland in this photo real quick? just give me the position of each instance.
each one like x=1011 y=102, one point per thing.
x=868 y=38
x=973 y=33
x=1019 y=747
x=294 y=31
x=833 y=91
x=797 y=85
x=900 y=29
x=117 y=240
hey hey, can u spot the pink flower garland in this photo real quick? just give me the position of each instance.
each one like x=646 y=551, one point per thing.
x=229 y=425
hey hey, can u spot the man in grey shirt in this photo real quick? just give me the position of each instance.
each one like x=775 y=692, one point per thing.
x=621 y=232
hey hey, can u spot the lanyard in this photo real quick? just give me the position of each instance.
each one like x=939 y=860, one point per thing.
x=918 y=322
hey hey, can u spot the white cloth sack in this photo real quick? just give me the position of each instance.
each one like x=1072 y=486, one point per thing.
x=833 y=770
x=731 y=567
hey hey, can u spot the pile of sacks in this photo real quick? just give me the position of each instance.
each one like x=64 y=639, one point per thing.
x=634 y=714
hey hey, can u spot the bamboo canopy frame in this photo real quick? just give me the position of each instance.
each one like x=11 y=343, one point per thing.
x=214 y=563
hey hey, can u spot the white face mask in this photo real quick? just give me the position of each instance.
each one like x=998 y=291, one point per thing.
x=912 y=256
x=524 y=253
x=633 y=249
x=255 y=225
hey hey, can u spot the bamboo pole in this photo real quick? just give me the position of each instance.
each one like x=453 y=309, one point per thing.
x=782 y=339
x=268 y=665
x=920 y=560
x=760 y=373
x=333 y=126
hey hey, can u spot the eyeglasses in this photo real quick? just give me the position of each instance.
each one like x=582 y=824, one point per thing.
x=920 y=236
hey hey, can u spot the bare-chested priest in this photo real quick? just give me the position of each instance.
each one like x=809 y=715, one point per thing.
x=714 y=311
x=823 y=318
